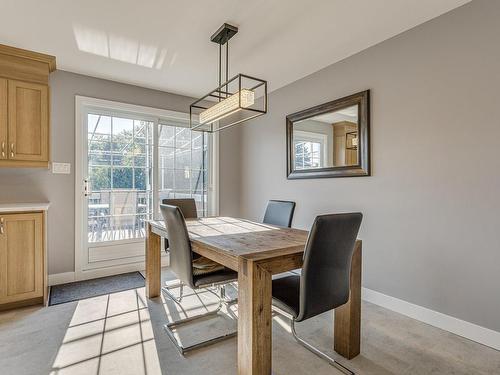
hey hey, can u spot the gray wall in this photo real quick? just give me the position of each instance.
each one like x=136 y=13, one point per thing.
x=431 y=209
x=229 y=171
x=18 y=185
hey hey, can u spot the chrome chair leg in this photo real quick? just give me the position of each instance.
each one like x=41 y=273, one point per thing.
x=184 y=349
x=311 y=348
x=166 y=290
x=169 y=327
x=318 y=352
x=225 y=299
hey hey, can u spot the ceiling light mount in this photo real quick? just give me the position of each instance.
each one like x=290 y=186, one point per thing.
x=225 y=32
x=235 y=100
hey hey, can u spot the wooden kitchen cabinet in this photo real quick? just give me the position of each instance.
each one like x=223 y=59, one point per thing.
x=28 y=126
x=3 y=118
x=24 y=108
x=22 y=259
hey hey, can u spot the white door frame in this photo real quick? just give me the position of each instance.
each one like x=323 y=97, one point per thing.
x=82 y=105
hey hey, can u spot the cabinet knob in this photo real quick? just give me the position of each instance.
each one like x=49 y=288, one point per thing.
x=1 y=225
x=3 y=149
x=12 y=153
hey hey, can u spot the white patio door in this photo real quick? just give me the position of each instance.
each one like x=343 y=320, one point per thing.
x=127 y=161
x=118 y=187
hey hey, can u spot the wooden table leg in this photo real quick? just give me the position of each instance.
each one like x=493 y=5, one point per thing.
x=347 y=321
x=153 y=263
x=254 y=319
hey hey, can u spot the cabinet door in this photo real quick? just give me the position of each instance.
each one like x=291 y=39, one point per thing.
x=3 y=118
x=28 y=129
x=21 y=257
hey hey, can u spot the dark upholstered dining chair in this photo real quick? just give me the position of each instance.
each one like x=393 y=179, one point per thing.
x=324 y=282
x=184 y=266
x=187 y=207
x=279 y=213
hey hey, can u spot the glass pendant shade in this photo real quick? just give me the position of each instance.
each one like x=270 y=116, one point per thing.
x=243 y=99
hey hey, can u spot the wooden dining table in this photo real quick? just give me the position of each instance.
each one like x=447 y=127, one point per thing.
x=257 y=251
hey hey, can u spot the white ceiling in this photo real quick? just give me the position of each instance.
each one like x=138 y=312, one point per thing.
x=164 y=44
x=345 y=114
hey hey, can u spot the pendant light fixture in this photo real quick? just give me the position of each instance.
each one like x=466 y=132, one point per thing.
x=235 y=100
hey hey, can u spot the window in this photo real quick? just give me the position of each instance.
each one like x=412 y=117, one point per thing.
x=124 y=152
x=119 y=170
x=129 y=158
x=310 y=149
x=183 y=164
x=307 y=155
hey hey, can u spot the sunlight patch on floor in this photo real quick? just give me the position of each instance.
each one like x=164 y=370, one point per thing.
x=109 y=334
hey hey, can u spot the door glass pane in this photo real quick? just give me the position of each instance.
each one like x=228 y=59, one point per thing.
x=99 y=178
x=123 y=178
x=183 y=164
x=166 y=157
x=166 y=136
x=119 y=174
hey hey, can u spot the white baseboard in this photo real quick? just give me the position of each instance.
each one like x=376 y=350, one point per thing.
x=61 y=278
x=459 y=327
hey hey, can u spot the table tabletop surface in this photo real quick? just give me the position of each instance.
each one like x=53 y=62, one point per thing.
x=240 y=237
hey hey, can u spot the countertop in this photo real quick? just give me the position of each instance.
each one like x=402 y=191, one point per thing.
x=23 y=207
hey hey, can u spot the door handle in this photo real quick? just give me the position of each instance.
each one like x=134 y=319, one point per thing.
x=12 y=152
x=2 y=230
x=86 y=189
x=3 y=149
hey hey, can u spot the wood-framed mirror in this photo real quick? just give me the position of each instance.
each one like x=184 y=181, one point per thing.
x=331 y=139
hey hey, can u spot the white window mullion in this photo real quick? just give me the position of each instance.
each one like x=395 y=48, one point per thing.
x=155 y=171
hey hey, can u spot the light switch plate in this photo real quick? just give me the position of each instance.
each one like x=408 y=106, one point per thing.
x=61 y=168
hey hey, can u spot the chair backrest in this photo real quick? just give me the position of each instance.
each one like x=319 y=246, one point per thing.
x=181 y=256
x=279 y=213
x=324 y=282
x=187 y=206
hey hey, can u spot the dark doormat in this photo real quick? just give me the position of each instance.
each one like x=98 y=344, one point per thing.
x=96 y=287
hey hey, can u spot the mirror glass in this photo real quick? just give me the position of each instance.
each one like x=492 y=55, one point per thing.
x=326 y=140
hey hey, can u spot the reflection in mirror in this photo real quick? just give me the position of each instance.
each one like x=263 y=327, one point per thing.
x=330 y=140
x=327 y=140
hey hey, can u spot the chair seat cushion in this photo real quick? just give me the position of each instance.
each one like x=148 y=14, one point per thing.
x=203 y=266
x=224 y=275
x=286 y=294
